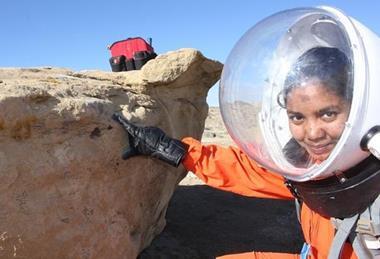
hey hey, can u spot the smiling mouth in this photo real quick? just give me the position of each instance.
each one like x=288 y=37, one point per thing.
x=321 y=149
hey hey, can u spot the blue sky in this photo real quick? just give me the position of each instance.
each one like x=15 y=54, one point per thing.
x=75 y=33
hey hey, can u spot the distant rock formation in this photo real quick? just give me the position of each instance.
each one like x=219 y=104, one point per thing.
x=65 y=192
x=215 y=131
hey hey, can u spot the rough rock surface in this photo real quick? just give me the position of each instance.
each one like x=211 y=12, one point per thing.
x=65 y=192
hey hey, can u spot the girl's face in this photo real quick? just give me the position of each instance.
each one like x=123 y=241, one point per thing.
x=317 y=118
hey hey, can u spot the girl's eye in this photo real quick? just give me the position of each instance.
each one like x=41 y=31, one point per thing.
x=296 y=118
x=329 y=115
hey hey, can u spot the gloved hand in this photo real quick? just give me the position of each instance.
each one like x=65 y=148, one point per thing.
x=151 y=141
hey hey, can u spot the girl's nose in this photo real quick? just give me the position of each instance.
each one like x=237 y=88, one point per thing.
x=314 y=131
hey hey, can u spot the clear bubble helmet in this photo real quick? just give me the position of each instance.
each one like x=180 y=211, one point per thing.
x=254 y=80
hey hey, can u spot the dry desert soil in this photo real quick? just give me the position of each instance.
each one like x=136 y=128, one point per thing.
x=203 y=222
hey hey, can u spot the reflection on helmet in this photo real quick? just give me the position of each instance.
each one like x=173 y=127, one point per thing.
x=299 y=94
x=291 y=50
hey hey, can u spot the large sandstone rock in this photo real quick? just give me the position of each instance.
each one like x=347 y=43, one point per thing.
x=65 y=192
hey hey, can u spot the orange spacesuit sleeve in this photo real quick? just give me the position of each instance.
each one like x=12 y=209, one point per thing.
x=229 y=169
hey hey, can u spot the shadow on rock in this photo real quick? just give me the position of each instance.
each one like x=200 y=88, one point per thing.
x=204 y=222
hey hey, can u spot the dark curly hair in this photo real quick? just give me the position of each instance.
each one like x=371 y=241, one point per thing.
x=329 y=66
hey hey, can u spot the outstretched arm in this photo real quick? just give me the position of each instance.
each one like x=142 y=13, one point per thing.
x=231 y=170
x=227 y=169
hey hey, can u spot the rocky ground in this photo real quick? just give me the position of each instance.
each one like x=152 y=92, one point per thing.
x=203 y=222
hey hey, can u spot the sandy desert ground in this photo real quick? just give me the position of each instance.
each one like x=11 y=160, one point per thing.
x=203 y=222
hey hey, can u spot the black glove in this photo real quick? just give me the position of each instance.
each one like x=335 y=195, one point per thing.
x=151 y=141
